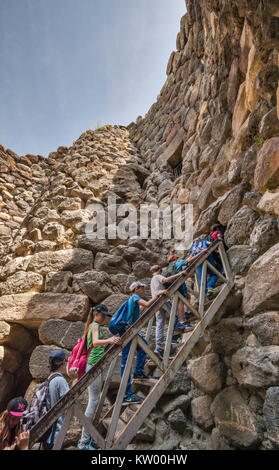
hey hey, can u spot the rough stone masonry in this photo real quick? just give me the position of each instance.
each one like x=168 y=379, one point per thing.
x=216 y=118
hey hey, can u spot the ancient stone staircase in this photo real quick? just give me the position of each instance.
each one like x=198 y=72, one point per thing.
x=117 y=427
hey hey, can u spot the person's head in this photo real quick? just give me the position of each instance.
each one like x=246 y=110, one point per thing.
x=10 y=420
x=172 y=258
x=138 y=288
x=101 y=313
x=57 y=360
x=156 y=269
x=15 y=408
x=217 y=227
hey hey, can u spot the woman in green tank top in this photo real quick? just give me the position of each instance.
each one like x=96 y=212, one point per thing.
x=95 y=338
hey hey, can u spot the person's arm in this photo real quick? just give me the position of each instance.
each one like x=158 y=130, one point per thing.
x=197 y=256
x=103 y=342
x=171 y=278
x=148 y=303
x=22 y=441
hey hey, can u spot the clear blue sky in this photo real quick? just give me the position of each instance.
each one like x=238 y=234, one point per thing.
x=68 y=65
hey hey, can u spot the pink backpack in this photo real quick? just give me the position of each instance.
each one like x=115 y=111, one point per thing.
x=79 y=356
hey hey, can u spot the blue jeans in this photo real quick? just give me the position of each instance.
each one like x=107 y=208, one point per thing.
x=140 y=362
x=94 y=390
x=211 y=281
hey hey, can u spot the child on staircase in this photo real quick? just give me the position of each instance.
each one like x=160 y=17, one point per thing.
x=137 y=290
x=157 y=285
x=97 y=344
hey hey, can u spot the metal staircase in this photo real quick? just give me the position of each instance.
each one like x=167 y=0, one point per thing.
x=116 y=429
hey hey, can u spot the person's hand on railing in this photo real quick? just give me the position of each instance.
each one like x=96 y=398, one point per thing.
x=22 y=440
x=73 y=372
x=115 y=340
x=163 y=292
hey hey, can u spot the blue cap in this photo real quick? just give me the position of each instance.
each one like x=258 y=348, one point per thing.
x=58 y=355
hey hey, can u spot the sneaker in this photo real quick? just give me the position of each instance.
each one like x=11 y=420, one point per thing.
x=188 y=327
x=93 y=445
x=132 y=399
x=141 y=376
x=90 y=445
x=83 y=446
x=210 y=292
x=159 y=352
x=181 y=326
x=188 y=316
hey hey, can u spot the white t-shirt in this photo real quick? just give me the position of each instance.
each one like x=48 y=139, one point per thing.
x=156 y=284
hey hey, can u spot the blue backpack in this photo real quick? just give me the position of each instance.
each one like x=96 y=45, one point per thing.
x=198 y=247
x=122 y=317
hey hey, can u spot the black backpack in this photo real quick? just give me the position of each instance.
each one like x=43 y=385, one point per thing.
x=39 y=406
x=168 y=272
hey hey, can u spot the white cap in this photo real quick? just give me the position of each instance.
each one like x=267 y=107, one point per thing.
x=135 y=285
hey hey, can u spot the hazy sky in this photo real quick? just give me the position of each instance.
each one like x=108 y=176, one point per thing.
x=70 y=65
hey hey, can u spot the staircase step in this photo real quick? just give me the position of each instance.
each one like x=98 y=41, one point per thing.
x=148 y=382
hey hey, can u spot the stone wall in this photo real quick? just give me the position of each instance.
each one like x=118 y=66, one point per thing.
x=218 y=113
x=22 y=180
x=52 y=268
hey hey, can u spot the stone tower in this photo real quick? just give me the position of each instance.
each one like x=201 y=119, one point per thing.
x=211 y=140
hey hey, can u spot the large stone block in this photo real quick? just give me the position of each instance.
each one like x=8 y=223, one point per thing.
x=74 y=260
x=218 y=442
x=10 y=359
x=208 y=217
x=267 y=169
x=200 y=408
x=254 y=66
x=6 y=390
x=240 y=227
x=17 y=264
x=271 y=415
x=88 y=243
x=177 y=420
x=207 y=372
x=265 y=327
x=97 y=285
x=21 y=282
x=39 y=363
x=256 y=367
x=16 y=336
x=31 y=309
x=228 y=336
x=269 y=125
x=58 y=282
x=114 y=301
x=240 y=110
x=269 y=202
x=62 y=333
x=111 y=264
x=261 y=290
x=181 y=383
x=231 y=203
x=265 y=234
x=241 y=257
x=234 y=419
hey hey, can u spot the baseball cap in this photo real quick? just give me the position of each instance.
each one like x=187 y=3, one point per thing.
x=103 y=309
x=155 y=268
x=215 y=226
x=17 y=406
x=172 y=258
x=135 y=285
x=58 y=355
